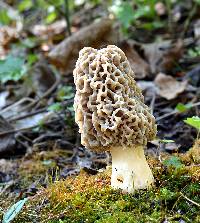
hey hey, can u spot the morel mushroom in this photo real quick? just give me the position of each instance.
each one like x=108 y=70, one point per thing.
x=112 y=116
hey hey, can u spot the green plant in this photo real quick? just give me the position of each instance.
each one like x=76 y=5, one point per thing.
x=173 y=161
x=55 y=107
x=194 y=122
x=124 y=12
x=130 y=12
x=183 y=107
x=4 y=17
x=11 y=68
x=89 y=198
x=25 y=5
x=14 y=68
x=166 y=194
x=194 y=52
x=51 y=10
x=65 y=93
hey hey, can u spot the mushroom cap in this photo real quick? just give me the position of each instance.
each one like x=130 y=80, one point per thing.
x=109 y=106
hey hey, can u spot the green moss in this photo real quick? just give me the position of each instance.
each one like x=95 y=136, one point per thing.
x=89 y=198
x=37 y=168
x=32 y=168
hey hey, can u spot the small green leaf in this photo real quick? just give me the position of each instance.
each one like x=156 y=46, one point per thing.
x=194 y=52
x=65 y=93
x=197 y=2
x=25 y=5
x=56 y=107
x=182 y=108
x=13 y=211
x=174 y=162
x=4 y=17
x=153 y=25
x=142 y=11
x=32 y=58
x=11 y=69
x=167 y=194
x=52 y=15
x=193 y=121
x=166 y=140
x=124 y=12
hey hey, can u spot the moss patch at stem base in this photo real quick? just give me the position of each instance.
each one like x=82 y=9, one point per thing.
x=89 y=198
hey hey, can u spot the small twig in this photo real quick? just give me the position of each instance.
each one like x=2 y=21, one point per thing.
x=42 y=110
x=166 y=115
x=23 y=136
x=9 y=184
x=16 y=118
x=23 y=143
x=152 y=103
x=159 y=153
x=175 y=112
x=169 y=21
x=15 y=104
x=12 y=131
x=46 y=94
x=47 y=136
x=187 y=22
x=188 y=199
x=178 y=198
x=67 y=17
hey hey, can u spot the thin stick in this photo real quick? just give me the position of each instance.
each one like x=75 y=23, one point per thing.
x=174 y=112
x=15 y=104
x=191 y=201
x=166 y=115
x=19 y=117
x=67 y=17
x=42 y=110
x=12 y=131
x=9 y=184
x=46 y=94
x=169 y=21
x=187 y=22
x=152 y=103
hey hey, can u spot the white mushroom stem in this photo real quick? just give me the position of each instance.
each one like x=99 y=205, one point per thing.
x=130 y=170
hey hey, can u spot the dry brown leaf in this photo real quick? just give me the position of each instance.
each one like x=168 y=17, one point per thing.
x=11 y=32
x=95 y=35
x=138 y=64
x=169 y=87
x=47 y=31
x=163 y=56
x=152 y=58
x=42 y=78
x=7 y=35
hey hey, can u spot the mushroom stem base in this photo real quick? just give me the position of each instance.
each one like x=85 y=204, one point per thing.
x=130 y=170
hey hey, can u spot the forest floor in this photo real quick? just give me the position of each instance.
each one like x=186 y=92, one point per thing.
x=44 y=170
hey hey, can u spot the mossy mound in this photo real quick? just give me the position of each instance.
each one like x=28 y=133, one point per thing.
x=89 y=198
x=38 y=165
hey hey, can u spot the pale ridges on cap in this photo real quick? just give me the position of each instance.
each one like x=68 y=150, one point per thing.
x=109 y=106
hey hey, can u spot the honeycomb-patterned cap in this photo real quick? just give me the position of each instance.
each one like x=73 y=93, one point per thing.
x=109 y=106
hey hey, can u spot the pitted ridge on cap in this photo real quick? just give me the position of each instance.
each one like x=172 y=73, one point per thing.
x=109 y=106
